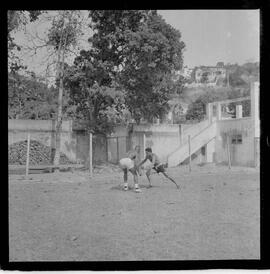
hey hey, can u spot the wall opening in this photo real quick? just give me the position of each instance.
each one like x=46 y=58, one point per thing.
x=237 y=139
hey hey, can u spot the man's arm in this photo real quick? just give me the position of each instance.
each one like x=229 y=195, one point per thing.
x=142 y=162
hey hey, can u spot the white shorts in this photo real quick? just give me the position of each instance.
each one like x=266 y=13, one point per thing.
x=126 y=163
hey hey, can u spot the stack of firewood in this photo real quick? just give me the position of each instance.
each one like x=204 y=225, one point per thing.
x=39 y=154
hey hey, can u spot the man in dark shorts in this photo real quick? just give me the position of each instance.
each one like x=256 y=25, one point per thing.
x=156 y=165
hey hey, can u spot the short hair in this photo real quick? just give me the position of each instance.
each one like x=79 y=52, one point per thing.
x=148 y=149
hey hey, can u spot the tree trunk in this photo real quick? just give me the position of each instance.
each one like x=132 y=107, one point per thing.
x=58 y=125
x=58 y=128
x=60 y=74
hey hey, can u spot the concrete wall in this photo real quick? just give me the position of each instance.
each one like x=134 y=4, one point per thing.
x=241 y=154
x=180 y=154
x=192 y=130
x=246 y=153
x=163 y=139
x=118 y=144
x=44 y=132
x=74 y=139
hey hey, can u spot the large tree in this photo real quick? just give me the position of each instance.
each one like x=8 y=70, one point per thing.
x=138 y=51
x=65 y=28
x=97 y=99
x=63 y=35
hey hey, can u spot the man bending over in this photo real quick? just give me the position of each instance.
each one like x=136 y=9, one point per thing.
x=127 y=164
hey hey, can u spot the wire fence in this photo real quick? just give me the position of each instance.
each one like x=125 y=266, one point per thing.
x=85 y=150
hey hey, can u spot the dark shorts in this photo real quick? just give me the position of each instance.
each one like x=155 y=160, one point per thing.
x=159 y=168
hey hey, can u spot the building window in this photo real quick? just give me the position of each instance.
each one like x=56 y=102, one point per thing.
x=237 y=139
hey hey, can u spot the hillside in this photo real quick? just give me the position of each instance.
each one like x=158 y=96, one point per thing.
x=239 y=77
x=190 y=95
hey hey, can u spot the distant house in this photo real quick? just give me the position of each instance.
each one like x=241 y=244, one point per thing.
x=210 y=74
x=185 y=72
x=220 y=64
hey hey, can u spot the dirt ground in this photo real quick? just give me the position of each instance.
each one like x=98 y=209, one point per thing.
x=68 y=217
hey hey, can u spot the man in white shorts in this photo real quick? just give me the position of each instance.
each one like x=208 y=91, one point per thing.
x=127 y=164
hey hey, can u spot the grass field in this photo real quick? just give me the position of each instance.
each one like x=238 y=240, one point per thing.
x=68 y=217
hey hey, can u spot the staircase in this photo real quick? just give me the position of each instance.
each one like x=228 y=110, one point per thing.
x=200 y=139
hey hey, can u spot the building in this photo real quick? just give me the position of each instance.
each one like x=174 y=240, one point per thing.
x=210 y=74
x=225 y=138
x=186 y=72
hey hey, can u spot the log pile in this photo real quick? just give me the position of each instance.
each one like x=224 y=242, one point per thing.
x=39 y=154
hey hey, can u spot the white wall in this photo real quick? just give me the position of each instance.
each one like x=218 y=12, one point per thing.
x=241 y=154
x=163 y=139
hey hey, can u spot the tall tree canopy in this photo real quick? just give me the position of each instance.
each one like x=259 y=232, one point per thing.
x=135 y=50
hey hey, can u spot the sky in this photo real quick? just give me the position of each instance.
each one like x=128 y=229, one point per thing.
x=210 y=36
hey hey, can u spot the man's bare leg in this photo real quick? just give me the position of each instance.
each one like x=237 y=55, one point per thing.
x=125 y=179
x=148 y=174
x=171 y=179
x=135 y=178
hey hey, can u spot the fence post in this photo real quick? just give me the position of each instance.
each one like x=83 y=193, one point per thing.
x=27 y=155
x=90 y=155
x=107 y=150
x=228 y=151
x=144 y=145
x=189 y=152
x=256 y=152
x=181 y=133
x=117 y=146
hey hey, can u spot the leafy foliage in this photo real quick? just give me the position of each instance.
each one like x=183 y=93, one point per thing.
x=179 y=85
x=240 y=76
x=178 y=114
x=101 y=105
x=30 y=98
x=65 y=30
x=154 y=51
x=132 y=56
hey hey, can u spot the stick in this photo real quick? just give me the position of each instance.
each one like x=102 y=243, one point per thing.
x=90 y=155
x=27 y=155
x=228 y=152
x=117 y=147
x=189 y=152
